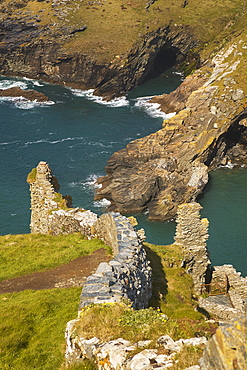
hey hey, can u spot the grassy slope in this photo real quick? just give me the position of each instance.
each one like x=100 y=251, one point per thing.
x=32 y=327
x=27 y=253
x=33 y=322
x=114 y=26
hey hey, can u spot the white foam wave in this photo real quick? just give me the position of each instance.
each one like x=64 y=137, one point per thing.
x=53 y=141
x=101 y=203
x=7 y=84
x=152 y=109
x=177 y=73
x=23 y=103
x=9 y=143
x=88 y=94
x=228 y=165
x=99 y=144
x=34 y=82
x=89 y=183
x=28 y=104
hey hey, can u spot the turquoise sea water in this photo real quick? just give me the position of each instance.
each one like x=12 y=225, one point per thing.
x=76 y=133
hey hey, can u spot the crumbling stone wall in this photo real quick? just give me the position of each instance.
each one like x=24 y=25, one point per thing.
x=191 y=235
x=71 y=221
x=128 y=275
x=47 y=216
x=234 y=302
x=106 y=229
x=43 y=188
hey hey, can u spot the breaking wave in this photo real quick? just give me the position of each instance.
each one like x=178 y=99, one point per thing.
x=152 y=109
x=88 y=94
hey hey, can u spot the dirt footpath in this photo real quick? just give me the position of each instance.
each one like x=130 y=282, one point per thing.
x=72 y=274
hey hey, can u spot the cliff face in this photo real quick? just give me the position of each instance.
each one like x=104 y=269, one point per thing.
x=108 y=46
x=170 y=167
x=28 y=49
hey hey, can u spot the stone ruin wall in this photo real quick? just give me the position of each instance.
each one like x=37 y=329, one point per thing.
x=191 y=235
x=47 y=215
x=42 y=192
x=129 y=276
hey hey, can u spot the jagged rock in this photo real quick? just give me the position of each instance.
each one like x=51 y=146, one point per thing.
x=116 y=354
x=27 y=94
x=227 y=349
x=169 y=167
x=176 y=100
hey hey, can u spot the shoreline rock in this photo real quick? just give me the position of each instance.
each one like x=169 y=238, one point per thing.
x=26 y=94
x=170 y=167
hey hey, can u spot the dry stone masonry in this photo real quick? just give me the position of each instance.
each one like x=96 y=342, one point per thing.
x=191 y=235
x=47 y=213
x=43 y=188
x=128 y=276
x=71 y=221
x=234 y=302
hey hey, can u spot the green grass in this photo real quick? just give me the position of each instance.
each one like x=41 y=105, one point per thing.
x=31 y=177
x=172 y=297
x=32 y=323
x=27 y=253
x=128 y=20
x=32 y=326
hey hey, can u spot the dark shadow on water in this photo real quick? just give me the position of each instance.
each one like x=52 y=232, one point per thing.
x=160 y=286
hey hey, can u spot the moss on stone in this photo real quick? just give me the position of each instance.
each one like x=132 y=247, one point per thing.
x=31 y=177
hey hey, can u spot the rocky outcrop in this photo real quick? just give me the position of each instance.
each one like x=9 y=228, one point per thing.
x=26 y=94
x=169 y=167
x=162 y=48
x=36 y=43
x=227 y=349
x=191 y=235
x=116 y=354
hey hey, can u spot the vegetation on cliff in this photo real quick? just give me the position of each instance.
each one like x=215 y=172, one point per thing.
x=112 y=45
x=130 y=20
x=27 y=253
x=33 y=322
x=31 y=177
